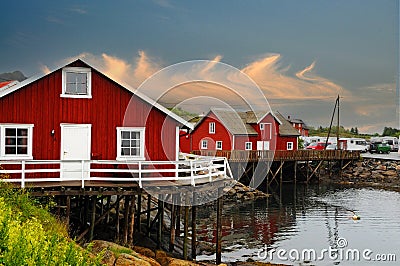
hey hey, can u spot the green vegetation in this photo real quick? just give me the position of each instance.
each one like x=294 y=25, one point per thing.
x=343 y=132
x=30 y=235
x=188 y=116
x=391 y=132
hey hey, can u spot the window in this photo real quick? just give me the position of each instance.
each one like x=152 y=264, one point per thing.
x=76 y=82
x=204 y=144
x=130 y=143
x=261 y=126
x=16 y=141
x=211 y=128
x=218 y=145
x=289 y=146
x=248 y=146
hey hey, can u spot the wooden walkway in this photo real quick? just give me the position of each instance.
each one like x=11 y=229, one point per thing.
x=297 y=155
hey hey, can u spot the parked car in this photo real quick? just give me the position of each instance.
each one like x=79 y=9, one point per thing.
x=317 y=146
x=379 y=147
x=331 y=147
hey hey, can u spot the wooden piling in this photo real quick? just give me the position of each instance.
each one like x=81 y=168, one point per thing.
x=185 y=233
x=126 y=219
x=93 y=218
x=117 y=225
x=160 y=220
x=194 y=233
x=108 y=207
x=148 y=222
x=173 y=221
x=219 y=226
x=131 y=221
x=139 y=209
x=68 y=212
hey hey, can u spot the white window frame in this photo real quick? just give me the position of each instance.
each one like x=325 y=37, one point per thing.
x=141 y=131
x=211 y=128
x=85 y=70
x=3 y=154
x=262 y=126
x=289 y=146
x=248 y=148
x=204 y=144
x=220 y=144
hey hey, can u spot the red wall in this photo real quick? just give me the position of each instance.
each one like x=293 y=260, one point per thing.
x=274 y=131
x=282 y=143
x=202 y=131
x=39 y=103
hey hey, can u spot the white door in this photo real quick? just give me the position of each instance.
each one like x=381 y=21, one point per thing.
x=75 y=147
x=262 y=145
x=259 y=145
x=266 y=146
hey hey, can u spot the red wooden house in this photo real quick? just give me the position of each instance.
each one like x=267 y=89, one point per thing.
x=78 y=113
x=223 y=129
x=299 y=125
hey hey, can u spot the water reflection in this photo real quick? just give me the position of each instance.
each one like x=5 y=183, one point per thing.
x=307 y=217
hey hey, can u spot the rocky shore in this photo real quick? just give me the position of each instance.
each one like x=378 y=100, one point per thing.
x=116 y=255
x=371 y=173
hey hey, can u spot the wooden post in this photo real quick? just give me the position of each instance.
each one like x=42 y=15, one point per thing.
x=186 y=230
x=126 y=218
x=173 y=221
x=148 y=215
x=68 y=212
x=117 y=220
x=93 y=220
x=108 y=207
x=139 y=209
x=160 y=220
x=219 y=226
x=178 y=217
x=132 y=221
x=194 y=233
x=86 y=210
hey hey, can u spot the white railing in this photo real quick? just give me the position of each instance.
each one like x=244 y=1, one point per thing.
x=192 y=172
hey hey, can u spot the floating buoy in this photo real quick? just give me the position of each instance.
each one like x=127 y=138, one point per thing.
x=355 y=217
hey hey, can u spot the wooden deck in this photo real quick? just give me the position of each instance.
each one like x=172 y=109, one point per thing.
x=297 y=155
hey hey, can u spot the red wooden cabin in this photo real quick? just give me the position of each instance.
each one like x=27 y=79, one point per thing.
x=78 y=113
x=224 y=129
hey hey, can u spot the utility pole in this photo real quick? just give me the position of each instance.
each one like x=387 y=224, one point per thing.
x=338 y=123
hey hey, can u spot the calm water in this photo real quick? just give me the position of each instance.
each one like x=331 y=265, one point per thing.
x=314 y=218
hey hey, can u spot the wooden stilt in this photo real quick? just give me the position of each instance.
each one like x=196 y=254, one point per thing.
x=173 y=221
x=117 y=229
x=178 y=216
x=139 y=209
x=219 y=226
x=94 y=200
x=185 y=233
x=108 y=207
x=126 y=219
x=131 y=221
x=86 y=210
x=68 y=212
x=295 y=172
x=160 y=220
x=148 y=215
x=194 y=233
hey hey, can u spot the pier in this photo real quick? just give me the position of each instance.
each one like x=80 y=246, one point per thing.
x=287 y=166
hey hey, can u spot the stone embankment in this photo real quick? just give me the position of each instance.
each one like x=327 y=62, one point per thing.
x=372 y=172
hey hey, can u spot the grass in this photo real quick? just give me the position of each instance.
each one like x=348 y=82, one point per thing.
x=30 y=235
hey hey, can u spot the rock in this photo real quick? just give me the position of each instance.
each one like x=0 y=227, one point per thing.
x=178 y=262
x=390 y=173
x=145 y=252
x=128 y=260
x=108 y=258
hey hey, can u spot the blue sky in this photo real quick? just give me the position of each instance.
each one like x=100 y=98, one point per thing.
x=352 y=44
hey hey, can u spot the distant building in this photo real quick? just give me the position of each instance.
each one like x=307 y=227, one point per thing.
x=299 y=124
x=223 y=129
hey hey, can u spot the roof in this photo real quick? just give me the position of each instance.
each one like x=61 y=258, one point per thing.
x=286 y=128
x=7 y=84
x=234 y=122
x=16 y=86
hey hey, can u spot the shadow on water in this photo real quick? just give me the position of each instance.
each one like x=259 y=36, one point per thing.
x=307 y=217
